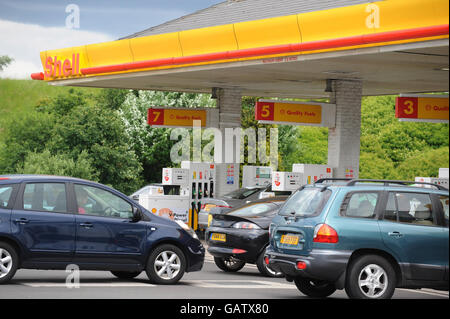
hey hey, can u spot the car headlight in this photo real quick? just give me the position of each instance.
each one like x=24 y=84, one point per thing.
x=245 y=225
x=188 y=229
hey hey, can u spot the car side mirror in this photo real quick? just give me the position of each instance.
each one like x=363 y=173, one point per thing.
x=137 y=215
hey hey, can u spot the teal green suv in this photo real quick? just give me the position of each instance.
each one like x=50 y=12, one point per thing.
x=365 y=236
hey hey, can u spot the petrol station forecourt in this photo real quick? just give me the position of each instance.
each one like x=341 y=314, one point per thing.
x=328 y=55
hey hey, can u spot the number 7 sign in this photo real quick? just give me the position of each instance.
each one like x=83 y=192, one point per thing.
x=155 y=117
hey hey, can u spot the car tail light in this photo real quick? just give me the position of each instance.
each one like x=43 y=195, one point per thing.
x=324 y=233
x=245 y=225
x=203 y=206
x=4 y=178
x=238 y=251
x=224 y=206
x=301 y=265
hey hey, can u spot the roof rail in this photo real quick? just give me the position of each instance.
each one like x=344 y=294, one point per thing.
x=321 y=180
x=386 y=182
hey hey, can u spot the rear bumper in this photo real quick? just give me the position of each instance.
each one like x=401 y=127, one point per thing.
x=250 y=241
x=328 y=265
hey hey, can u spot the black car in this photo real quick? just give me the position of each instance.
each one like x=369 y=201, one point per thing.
x=241 y=235
x=232 y=200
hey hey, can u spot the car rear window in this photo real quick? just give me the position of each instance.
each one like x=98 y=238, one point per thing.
x=255 y=209
x=242 y=193
x=306 y=203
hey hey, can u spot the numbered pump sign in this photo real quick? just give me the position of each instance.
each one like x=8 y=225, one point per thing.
x=422 y=108
x=182 y=117
x=295 y=113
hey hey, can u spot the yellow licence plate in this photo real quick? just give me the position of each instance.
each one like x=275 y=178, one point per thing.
x=218 y=237
x=289 y=239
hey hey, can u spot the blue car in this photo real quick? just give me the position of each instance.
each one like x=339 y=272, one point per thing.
x=50 y=222
x=365 y=236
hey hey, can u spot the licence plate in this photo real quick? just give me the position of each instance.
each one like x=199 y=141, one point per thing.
x=218 y=237
x=289 y=240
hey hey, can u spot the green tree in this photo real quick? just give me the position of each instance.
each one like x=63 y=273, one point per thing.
x=60 y=164
x=425 y=163
x=73 y=127
x=5 y=61
x=23 y=134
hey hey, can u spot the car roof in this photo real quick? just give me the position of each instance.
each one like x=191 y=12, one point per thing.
x=380 y=186
x=17 y=178
x=269 y=199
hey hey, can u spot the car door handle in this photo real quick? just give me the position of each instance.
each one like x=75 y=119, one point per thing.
x=395 y=234
x=22 y=221
x=86 y=225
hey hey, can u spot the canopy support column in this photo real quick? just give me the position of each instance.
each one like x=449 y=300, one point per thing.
x=344 y=139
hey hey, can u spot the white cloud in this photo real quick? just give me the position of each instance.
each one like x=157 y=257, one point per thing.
x=24 y=42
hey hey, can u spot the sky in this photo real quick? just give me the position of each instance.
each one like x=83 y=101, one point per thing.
x=28 y=27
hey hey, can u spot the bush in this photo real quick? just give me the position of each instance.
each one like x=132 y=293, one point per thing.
x=60 y=164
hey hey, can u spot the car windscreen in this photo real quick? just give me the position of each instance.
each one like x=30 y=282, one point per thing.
x=254 y=210
x=242 y=193
x=141 y=191
x=307 y=202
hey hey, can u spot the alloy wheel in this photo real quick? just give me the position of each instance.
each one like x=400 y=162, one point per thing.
x=5 y=262
x=167 y=265
x=373 y=281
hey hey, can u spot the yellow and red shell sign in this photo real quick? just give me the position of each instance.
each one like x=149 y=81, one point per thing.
x=422 y=108
x=177 y=117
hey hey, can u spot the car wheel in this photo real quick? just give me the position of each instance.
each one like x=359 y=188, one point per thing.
x=370 y=277
x=126 y=274
x=265 y=269
x=229 y=264
x=166 y=265
x=314 y=288
x=9 y=261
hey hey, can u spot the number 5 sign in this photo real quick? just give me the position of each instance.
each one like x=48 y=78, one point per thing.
x=265 y=111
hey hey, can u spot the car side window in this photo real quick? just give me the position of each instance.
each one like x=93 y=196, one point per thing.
x=5 y=195
x=412 y=208
x=443 y=199
x=46 y=197
x=98 y=202
x=361 y=205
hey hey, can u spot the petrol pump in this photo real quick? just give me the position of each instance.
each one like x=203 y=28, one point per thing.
x=441 y=180
x=196 y=181
x=256 y=175
x=201 y=183
x=302 y=174
x=208 y=180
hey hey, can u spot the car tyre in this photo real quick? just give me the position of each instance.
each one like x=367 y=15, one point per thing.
x=264 y=269
x=126 y=274
x=370 y=277
x=314 y=288
x=166 y=265
x=229 y=264
x=9 y=262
